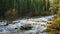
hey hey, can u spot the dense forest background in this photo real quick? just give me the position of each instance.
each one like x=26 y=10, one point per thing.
x=13 y=9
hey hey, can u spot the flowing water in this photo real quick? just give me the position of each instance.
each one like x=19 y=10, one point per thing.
x=39 y=25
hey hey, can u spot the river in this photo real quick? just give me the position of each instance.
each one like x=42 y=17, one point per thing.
x=39 y=25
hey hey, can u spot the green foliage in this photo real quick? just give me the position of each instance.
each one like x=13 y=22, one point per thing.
x=35 y=16
x=54 y=27
x=25 y=7
x=58 y=13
